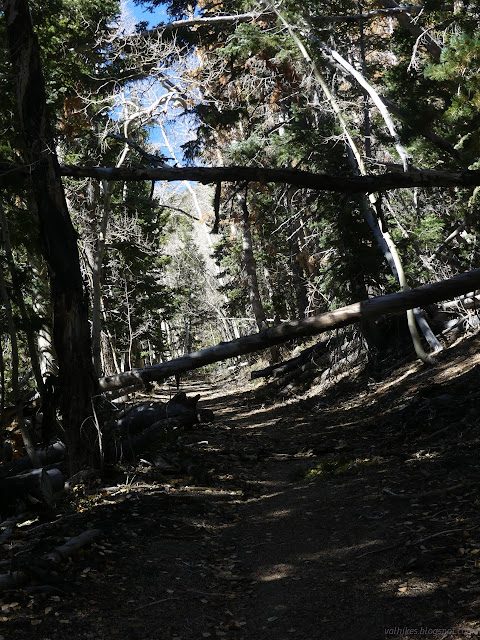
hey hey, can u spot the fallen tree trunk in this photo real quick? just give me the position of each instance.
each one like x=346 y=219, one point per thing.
x=145 y=414
x=119 y=393
x=384 y=305
x=51 y=453
x=290 y=376
x=73 y=545
x=39 y=483
x=145 y=422
x=128 y=448
x=468 y=302
x=422 y=178
x=36 y=483
x=276 y=370
x=15 y=579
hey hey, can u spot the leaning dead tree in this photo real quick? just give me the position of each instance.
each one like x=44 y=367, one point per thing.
x=368 y=309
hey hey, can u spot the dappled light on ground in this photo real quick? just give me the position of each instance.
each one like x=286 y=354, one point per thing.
x=336 y=515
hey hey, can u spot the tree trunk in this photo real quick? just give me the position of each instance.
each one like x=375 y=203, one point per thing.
x=19 y=301
x=251 y=266
x=12 y=174
x=42 y=308
x=77 y=382
x=27 y=441
x=97 y=278
x=49 y=454
x=40 y=483
x=368 y=309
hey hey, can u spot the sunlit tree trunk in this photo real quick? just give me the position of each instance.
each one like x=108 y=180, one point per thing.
x=41 y=307
x=251 y=266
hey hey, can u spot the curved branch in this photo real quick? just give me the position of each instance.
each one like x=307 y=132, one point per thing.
x=433 y=48
x=366 y=86
x=185 y=213
x=152 y=158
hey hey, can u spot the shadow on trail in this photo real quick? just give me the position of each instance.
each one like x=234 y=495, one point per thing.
x=292 y=534
x=336 y=557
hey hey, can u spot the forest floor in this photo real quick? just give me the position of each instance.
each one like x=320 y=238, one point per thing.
x=349 y=513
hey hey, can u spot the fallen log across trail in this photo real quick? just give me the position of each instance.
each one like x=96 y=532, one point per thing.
x=391 y=304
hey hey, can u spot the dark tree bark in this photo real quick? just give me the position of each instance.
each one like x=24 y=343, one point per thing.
x=368 y=309
x=298 y=278
x=77 y=381
x=297 y=244
x=49 y=454
x=421 y=178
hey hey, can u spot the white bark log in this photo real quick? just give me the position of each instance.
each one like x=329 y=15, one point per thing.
x=373 y=308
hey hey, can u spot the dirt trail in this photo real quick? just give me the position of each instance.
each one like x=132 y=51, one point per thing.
x=278 y=525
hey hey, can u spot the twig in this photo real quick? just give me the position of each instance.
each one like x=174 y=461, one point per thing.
x=439 y=533
x=426 y=494
x=397 y=496
x=369 y=553
x=433 y=435
x=150 y=604
x=207 y=593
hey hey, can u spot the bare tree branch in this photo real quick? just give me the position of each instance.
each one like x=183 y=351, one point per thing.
x=251 y=16
x=431 y=45
x=387 y=12
x=210 y=21
x=185 y=213
x=152 y=158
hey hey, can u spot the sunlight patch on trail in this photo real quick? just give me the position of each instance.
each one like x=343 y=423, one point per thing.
x=276 y=572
